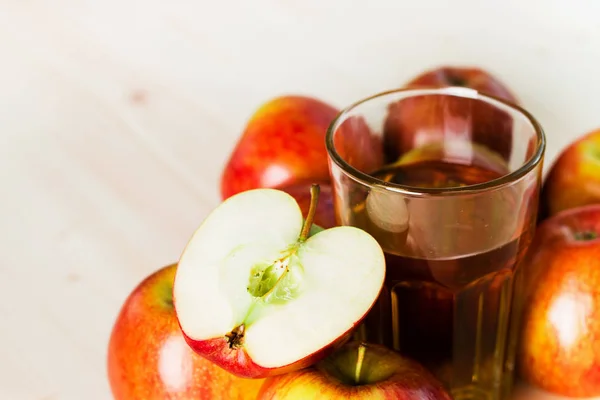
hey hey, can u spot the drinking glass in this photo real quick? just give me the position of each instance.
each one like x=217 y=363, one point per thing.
x=447 y=180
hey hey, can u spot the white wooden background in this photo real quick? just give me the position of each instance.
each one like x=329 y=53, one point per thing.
x=116 y=117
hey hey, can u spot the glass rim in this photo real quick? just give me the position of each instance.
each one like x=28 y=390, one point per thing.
x=371 y=181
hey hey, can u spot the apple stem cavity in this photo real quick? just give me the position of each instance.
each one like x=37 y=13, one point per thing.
x=456 y=80
x=315 y=189
x=360 y=358
x=586 y=235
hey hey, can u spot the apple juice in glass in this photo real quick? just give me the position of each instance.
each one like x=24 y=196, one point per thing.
x=447 y=180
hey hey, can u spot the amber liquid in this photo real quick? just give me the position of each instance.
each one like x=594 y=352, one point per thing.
x=451 y=290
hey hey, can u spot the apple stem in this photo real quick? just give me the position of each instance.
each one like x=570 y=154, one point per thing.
x=359 y=362
x=315 y=189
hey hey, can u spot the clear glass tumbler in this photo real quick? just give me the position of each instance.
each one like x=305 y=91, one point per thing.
x=447 y=180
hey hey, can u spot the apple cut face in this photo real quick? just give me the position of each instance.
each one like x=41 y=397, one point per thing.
x=249 y=282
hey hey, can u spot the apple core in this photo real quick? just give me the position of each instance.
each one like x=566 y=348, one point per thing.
x=277 y=282
x=268 y=280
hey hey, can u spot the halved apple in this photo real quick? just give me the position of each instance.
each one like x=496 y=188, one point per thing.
x=259 y=296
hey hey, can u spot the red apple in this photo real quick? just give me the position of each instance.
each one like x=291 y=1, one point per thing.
x=283 y=144
x=419 y=120
x=324 y=215
x=148 y=357
x=357 y=371
x=574 y=178
x=560 y=342
x=259 y=296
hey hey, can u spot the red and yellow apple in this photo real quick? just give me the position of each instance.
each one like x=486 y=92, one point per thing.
x=283 y=144
x=357 y=371
x=560 y=342
x=148 y=357
x=421 y=120
x=574 y=178
x=259 y=295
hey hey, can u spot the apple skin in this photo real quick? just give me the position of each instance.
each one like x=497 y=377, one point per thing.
x=574 y=178
x=148 y=357
x=324 y=215
x=387 y=375
x=471 y=77
x=239 y=363
x=560 y=337
x=283 y=144
x=421 y=120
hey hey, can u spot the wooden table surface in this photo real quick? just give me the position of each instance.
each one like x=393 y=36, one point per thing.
x=116 y=117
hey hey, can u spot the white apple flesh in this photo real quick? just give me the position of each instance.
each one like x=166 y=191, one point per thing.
x=258 y=296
